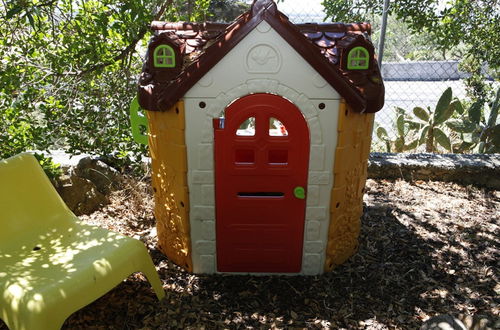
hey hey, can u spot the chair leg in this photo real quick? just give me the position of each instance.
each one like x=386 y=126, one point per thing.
x=149 y=270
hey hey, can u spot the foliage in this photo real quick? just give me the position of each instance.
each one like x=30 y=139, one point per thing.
x=16 y=132
x=207 y=10
x=226 y=10
x=465 y=30
x=478 y=89
x=425 y=128
x=53 y=170
x=69 y=72
x=403 y=128
x=449 y=125
x=402 y=44
x=420 y=30
x=479 y=130
x=432 y=122
x=191 y=10
x=473 y=23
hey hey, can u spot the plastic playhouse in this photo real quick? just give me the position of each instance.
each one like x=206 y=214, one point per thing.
x=259 y=134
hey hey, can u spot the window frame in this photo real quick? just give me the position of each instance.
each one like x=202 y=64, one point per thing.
x=157 y=57
x=354 y=55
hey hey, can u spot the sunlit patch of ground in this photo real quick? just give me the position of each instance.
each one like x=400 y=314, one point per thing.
x=426 y=248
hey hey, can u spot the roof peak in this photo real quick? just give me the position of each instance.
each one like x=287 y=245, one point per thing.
x=259 y=5
x=317 y=44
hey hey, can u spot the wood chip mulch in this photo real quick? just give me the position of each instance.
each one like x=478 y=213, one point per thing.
x=426 y=248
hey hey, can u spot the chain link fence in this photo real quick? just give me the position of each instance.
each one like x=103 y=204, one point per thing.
x=408 y=83
x=412 y=84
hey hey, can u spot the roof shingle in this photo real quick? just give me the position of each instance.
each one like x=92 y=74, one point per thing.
x=323 y=46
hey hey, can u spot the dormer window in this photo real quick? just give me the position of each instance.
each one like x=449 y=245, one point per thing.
x=164 y=57
x=358 y=59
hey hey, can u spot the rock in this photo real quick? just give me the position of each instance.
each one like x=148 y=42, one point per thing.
x=479 y=322
x=443 y=322
x=105 y=178
x=481 y=170
x=462 y=322
x=81 y=195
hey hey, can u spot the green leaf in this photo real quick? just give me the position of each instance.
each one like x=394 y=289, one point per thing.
x=31 y=19
x=399 y=144
x=382 y=133
x=414 y=125
x=387 y=146
x=423 y=135
x=13 y=11
x=475 y=112
x=443 y=107
x=400 y=123
x=421 y=114
x=442 y=138
x=446 y=114
x=461 y=126
x=399 y=111
x=459 y=107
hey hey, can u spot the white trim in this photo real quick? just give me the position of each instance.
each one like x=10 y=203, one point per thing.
x=226 y=87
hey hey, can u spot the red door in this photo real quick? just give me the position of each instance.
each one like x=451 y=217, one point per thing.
x=261 y=166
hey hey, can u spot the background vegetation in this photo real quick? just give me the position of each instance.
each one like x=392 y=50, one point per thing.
x=68 y=69
x=447 y=24
x=464 y=30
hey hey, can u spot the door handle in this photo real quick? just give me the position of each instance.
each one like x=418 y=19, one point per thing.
x=299 y=192
x=218 y=123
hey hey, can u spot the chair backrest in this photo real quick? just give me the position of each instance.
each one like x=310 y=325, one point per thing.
x=28 y=201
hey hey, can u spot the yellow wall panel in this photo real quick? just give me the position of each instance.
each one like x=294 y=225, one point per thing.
x=175 y=117
x=169 y=175
x=176 y=136
x=171 y=151
x=351 y=155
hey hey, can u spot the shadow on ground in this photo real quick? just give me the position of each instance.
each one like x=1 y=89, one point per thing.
x=425 y=249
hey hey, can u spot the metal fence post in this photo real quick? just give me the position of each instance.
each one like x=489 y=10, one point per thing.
x=408 y=83
x=382 y=33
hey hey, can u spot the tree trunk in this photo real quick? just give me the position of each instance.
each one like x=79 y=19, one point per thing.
x=429 y=142
x=190 y=9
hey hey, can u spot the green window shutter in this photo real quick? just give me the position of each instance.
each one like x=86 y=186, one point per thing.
x=358 y=59
x=164 y=57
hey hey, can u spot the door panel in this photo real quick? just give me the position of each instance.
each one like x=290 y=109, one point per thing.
x=261 y=156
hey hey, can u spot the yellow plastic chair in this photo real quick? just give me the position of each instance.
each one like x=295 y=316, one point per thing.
x=50 y=264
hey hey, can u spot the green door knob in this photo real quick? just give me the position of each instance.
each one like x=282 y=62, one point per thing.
x=299 y=192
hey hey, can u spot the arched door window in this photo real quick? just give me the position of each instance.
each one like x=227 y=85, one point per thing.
x=164 y=57
x=358 y=59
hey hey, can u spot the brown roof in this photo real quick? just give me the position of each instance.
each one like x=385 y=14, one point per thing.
x=323 y=46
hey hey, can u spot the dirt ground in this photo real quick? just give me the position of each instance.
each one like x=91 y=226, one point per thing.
x=426 y=248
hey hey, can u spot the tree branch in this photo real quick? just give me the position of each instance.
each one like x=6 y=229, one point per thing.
x=131 y=47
